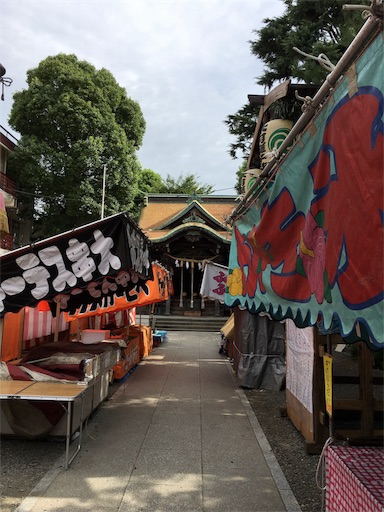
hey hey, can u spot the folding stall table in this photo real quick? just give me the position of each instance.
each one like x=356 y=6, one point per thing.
x=49 y=391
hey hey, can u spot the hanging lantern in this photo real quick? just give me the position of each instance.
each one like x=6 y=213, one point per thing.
x=272 y=136
x=43 y=306
x=249 y=178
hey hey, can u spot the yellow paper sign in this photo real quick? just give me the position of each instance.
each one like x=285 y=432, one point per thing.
x=327 y=362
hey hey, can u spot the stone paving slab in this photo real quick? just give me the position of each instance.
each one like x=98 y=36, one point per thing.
x=178 y=435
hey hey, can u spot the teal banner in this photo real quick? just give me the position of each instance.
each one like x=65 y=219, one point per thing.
x=311 y=246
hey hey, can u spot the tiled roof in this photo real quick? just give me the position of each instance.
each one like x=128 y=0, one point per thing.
x=158 y=213
x=156 y=235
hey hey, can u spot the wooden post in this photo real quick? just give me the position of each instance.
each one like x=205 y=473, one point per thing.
x=365 y=362
x=192 y=276
x=57 y=323
x=181 y=284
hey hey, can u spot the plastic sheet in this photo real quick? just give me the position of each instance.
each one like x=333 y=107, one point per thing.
x=259 y=351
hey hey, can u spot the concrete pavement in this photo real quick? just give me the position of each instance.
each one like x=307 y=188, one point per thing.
x=177 y=436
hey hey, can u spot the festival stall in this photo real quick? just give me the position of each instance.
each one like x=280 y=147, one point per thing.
x=307 y=239
x=94 y=265
x=139 y=338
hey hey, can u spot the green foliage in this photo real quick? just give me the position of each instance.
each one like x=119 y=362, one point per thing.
x=285 y=109
x=313 y=27
x=242 y=125
x=150 y=182
x=184 y=185
x=74 y=121
x=239 y=174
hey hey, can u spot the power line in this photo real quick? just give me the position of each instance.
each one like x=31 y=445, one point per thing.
x=41 y=196
x=222 y=189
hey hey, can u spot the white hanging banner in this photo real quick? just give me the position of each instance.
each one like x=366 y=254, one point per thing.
x=214 y=281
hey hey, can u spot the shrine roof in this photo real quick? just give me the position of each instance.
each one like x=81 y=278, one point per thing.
x=163 y=208
x=164 y=234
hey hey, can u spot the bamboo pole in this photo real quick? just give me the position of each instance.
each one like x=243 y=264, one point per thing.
x=367 y=30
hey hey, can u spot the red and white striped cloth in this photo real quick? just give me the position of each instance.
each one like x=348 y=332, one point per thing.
x=38 y=324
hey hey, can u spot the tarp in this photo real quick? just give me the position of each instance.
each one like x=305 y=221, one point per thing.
x=145 y=292
x=311 y=248
x=259 y=351
x=108 y=257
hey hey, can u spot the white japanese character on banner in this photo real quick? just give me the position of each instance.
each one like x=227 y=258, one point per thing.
x=11 y=286
x=51 y=256
x=102 y=246
x=83 y=266
x=34 y=274
x=139 y=255
x=2 y=297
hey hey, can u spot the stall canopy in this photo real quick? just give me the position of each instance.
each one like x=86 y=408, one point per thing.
x=107 y=258
x=309 y=245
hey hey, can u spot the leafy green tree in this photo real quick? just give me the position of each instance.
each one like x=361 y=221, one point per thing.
x=242 y=125
x=150 y=182
x=314 y=27
x=77 y=125
x=239 y=175
x=184 y=185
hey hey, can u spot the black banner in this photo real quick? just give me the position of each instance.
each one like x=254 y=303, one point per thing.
x=78 y=267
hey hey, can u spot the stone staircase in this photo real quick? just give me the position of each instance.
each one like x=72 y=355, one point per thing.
x=183 y=323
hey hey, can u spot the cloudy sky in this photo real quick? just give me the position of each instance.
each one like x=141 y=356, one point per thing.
x=187 y=63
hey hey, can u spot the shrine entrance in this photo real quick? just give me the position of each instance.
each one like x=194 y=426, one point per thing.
x=187 y=231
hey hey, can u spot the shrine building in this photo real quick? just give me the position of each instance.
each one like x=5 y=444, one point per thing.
x=185 y=232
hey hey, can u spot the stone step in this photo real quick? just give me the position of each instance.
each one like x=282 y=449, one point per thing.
x=184 y=323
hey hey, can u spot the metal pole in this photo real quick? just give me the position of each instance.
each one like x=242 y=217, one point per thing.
x=103 y=193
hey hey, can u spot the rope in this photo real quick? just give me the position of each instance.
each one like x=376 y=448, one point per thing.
x=322 y=59
x=274 y=153
x=307 y=102
x=321 y=469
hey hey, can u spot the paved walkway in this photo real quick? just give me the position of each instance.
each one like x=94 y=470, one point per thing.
x=177 y=436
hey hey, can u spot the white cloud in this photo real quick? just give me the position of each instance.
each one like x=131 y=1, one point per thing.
x=187 y=63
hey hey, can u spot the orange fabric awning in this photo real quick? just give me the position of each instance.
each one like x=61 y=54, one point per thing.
x=156 y=290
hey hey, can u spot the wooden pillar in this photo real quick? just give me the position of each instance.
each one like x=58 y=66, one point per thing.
x=365 y=362
x=192 y=277
x=181 y=284
x=57 y=322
